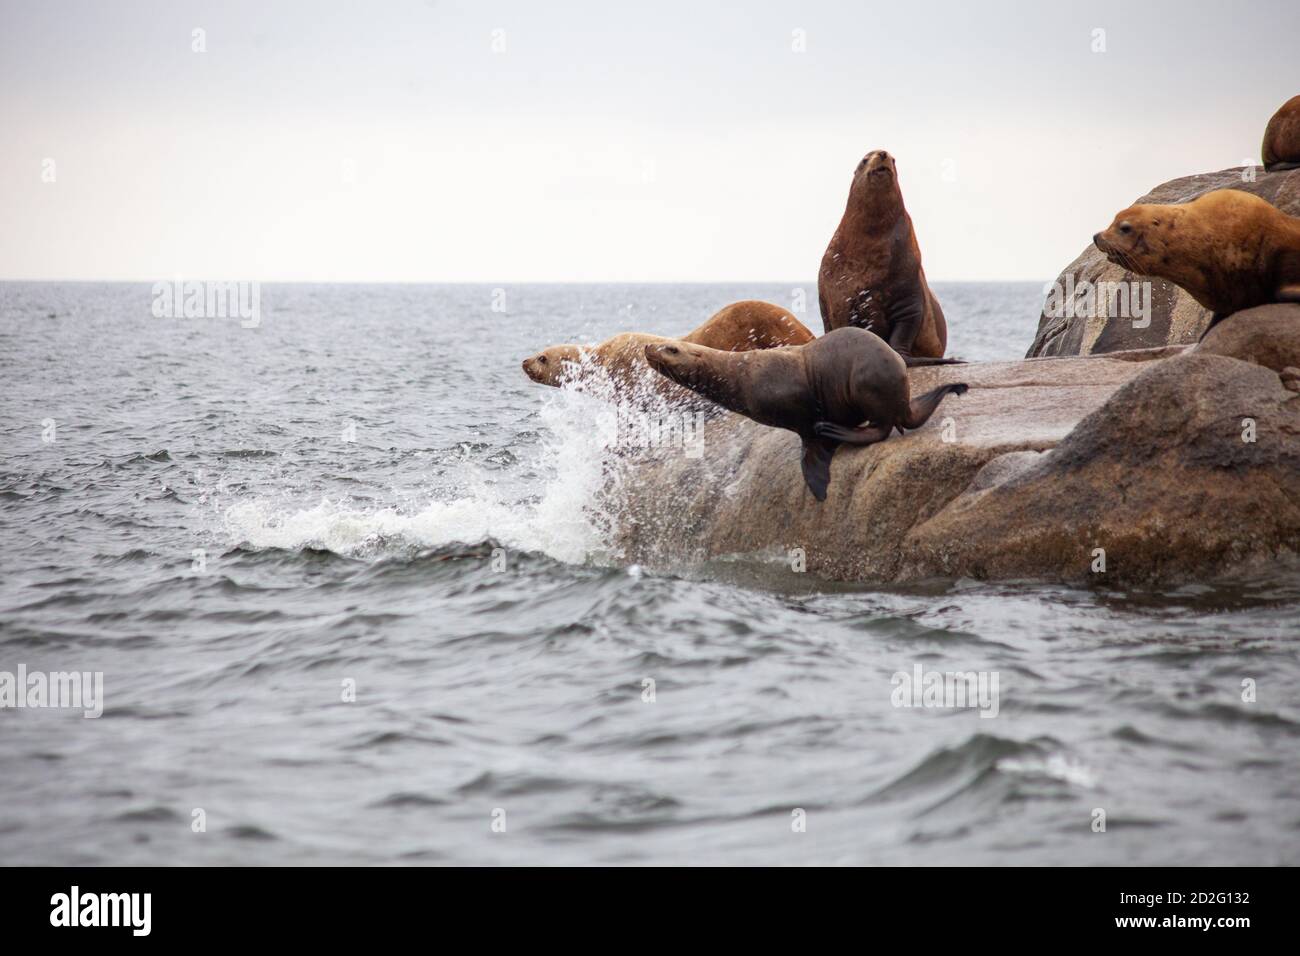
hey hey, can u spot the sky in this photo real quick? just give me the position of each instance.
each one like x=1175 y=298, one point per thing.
x=460 y=141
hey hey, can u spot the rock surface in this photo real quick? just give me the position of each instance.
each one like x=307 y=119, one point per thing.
x=1267 y=335
x=1176 y=318
x=1147 y=455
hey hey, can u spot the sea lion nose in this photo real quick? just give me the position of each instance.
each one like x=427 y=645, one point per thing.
x=1096 y=238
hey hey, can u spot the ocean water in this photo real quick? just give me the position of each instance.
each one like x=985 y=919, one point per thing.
x=351 y=603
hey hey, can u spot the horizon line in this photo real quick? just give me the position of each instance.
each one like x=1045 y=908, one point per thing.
x=482 y=282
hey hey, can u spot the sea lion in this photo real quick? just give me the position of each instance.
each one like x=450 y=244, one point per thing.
x=823 y=391
x=1229 y=249
x=1281 y=148
x=622 y=357
x=734 y=328
x=871 y=275
x=750 y=324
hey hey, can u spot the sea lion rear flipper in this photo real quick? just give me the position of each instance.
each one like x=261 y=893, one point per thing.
x=920 y=409
x=817 y=454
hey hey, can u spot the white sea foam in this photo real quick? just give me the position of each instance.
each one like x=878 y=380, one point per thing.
x=1056 y=766
x=556 y=512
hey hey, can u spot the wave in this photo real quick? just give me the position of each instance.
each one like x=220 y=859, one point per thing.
x=549 y=501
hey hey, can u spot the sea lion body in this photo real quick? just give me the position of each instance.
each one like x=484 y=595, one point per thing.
x=1281 y=147
x=737 y=327
x=1229 y=249
x=822 y=391
x=750 y=324
x=622 y=357
x=871 y=275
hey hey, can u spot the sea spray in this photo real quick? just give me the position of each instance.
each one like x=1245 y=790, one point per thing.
x=557 y=502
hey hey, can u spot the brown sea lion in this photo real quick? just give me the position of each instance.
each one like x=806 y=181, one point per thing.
x=750 y=324
x=737 y=327
x=871 y=275
x=622 y=357
x=823 y=391
x=1229 y=249
x=1281 y=148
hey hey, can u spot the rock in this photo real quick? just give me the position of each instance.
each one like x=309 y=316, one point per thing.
x=1048 y=460
x=1168 y=481
x=1267 y=335
x=1176 y=318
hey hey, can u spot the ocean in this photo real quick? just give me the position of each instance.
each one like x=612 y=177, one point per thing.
x=343 y=581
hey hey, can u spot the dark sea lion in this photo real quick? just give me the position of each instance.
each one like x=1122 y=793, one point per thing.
x=1229 y=249
x=1281 y=148
x=871 y=275
x=823 y=391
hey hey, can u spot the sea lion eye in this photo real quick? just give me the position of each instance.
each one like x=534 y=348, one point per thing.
x=672 y=350
x=542 y=359
x=1125 y=228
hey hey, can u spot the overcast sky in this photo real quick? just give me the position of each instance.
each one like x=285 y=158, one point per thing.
x=390 y=141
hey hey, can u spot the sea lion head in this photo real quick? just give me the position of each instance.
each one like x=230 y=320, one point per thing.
x=554 y=365
x=1138 y=238
x=875 y=186
x=877 y=167
x=685 y=364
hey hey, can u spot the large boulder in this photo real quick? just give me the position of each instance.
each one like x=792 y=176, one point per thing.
x=1176 y=318
x=1158 y=466
x=1267 y=335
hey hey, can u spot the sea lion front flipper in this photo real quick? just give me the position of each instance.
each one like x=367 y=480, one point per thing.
x=817 y=454
x=853 y=436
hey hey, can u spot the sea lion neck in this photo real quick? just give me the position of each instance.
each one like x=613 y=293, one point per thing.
x=721 y=377
x=873 y=208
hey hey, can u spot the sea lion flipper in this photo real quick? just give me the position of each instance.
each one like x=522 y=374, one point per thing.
x=853 y=436
x=920 y=409
x=905 y=320
x=817 y=454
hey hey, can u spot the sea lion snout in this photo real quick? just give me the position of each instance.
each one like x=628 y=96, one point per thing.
x=535 y=366
x=661 y=356
x=876 y=163
x=1123 y=240
x=879 y=164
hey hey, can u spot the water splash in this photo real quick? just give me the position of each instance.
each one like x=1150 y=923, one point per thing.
x=557 y=501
